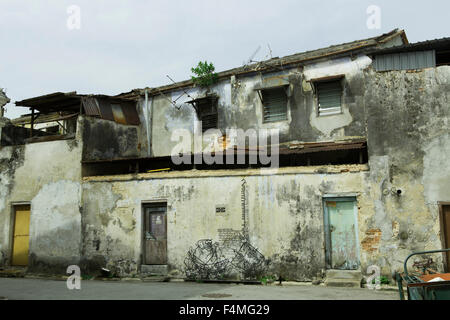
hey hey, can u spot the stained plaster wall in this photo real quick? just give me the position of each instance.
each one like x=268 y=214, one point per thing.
x=285 y=215
x=107 y=140
x=240 y=107
x=47 y=176
x=408 y=116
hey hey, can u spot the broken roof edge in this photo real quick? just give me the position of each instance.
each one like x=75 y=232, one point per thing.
x=289 y=60
x=59 y=96
x=416 y=46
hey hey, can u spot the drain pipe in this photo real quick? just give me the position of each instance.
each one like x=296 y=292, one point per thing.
x=148 y=124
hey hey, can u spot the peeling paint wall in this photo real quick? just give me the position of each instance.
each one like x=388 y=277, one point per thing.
x=285 y=216
x=408 y=115
x=104 y=139
x=405 y=116
x=97 y=221
x=239 y=106
x=46 y=175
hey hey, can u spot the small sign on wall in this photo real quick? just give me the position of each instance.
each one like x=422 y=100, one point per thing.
x=221 y=210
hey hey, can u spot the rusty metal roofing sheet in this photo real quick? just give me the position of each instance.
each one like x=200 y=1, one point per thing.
x=436 y=44
x=90 y=106
x=130 y=113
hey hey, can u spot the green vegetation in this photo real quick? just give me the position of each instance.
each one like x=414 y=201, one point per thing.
x=268 y=279
x=383 y=280
x=205 y=75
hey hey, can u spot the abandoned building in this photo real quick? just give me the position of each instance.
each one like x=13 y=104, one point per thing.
x=362 y=179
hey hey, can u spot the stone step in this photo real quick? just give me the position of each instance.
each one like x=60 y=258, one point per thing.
x=342 y=283
x=344 y=274
x=343 y=278
x=157 y=270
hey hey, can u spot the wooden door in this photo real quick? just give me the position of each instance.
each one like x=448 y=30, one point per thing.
x=155 y=234
x=21 y=239
x=446 y=232
x=340 y=222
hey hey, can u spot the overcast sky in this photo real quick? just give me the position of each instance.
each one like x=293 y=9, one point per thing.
x=122 y=45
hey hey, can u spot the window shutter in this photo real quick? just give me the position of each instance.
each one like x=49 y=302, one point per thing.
x=208 y=114
x=329 y=96
x=275 y=104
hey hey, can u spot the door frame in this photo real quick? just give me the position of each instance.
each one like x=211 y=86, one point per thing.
x=326 y=219
x=12 y=224
x=143 y=204
x=441 y=205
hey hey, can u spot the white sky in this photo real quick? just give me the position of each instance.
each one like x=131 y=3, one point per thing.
x=123 y=45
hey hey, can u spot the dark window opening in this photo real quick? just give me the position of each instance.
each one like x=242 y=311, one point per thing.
x=443 y=58
x=149 y=165
x=206 y=109
x=329 y=97
x=274 y=104
x=52 y=129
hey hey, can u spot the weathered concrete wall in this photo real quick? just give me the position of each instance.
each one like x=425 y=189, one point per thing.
x=239 y=106
x=46 y=175
x=285 y=215
x=104 y=140
x=408 y=117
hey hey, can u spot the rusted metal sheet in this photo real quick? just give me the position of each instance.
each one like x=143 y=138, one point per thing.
x=90 y=106
x=341 y=227
x=131 y=115
x=105 y=110
x=118 y=114
x=155 y=234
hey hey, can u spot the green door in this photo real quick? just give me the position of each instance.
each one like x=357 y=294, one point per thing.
x=342 y=250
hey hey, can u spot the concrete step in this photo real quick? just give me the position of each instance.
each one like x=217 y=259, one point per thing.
x=154 y=270
x=344 y=274
x=343 y=278
x=342 y=283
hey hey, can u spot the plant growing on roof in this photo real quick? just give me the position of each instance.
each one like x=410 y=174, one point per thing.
x=205 y=75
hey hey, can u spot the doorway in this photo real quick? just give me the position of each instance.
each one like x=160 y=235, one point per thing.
x=445 y=232
x=155 y=234
x=21 y=235
x=341 y=240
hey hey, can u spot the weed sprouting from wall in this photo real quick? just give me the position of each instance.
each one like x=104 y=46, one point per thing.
x=205 y=75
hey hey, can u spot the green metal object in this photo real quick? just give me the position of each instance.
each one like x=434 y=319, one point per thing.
x=420 y=290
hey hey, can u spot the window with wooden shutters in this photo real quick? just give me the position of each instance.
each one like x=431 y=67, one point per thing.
x=329 y=95
x=207 y=112
x=274 y=104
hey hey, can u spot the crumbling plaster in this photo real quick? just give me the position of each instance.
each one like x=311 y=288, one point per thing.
x=240 y=107
x=285 y=216
x=408 y=139
x=47 y=176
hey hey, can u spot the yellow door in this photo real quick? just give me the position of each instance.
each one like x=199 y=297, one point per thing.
x=21 y=239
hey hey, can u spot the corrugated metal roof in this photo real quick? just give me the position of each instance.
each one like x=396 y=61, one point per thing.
x=94 y=105
x=437 y=44
x=405 y=60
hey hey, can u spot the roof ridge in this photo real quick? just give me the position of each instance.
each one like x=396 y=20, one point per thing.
x=288 y=59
